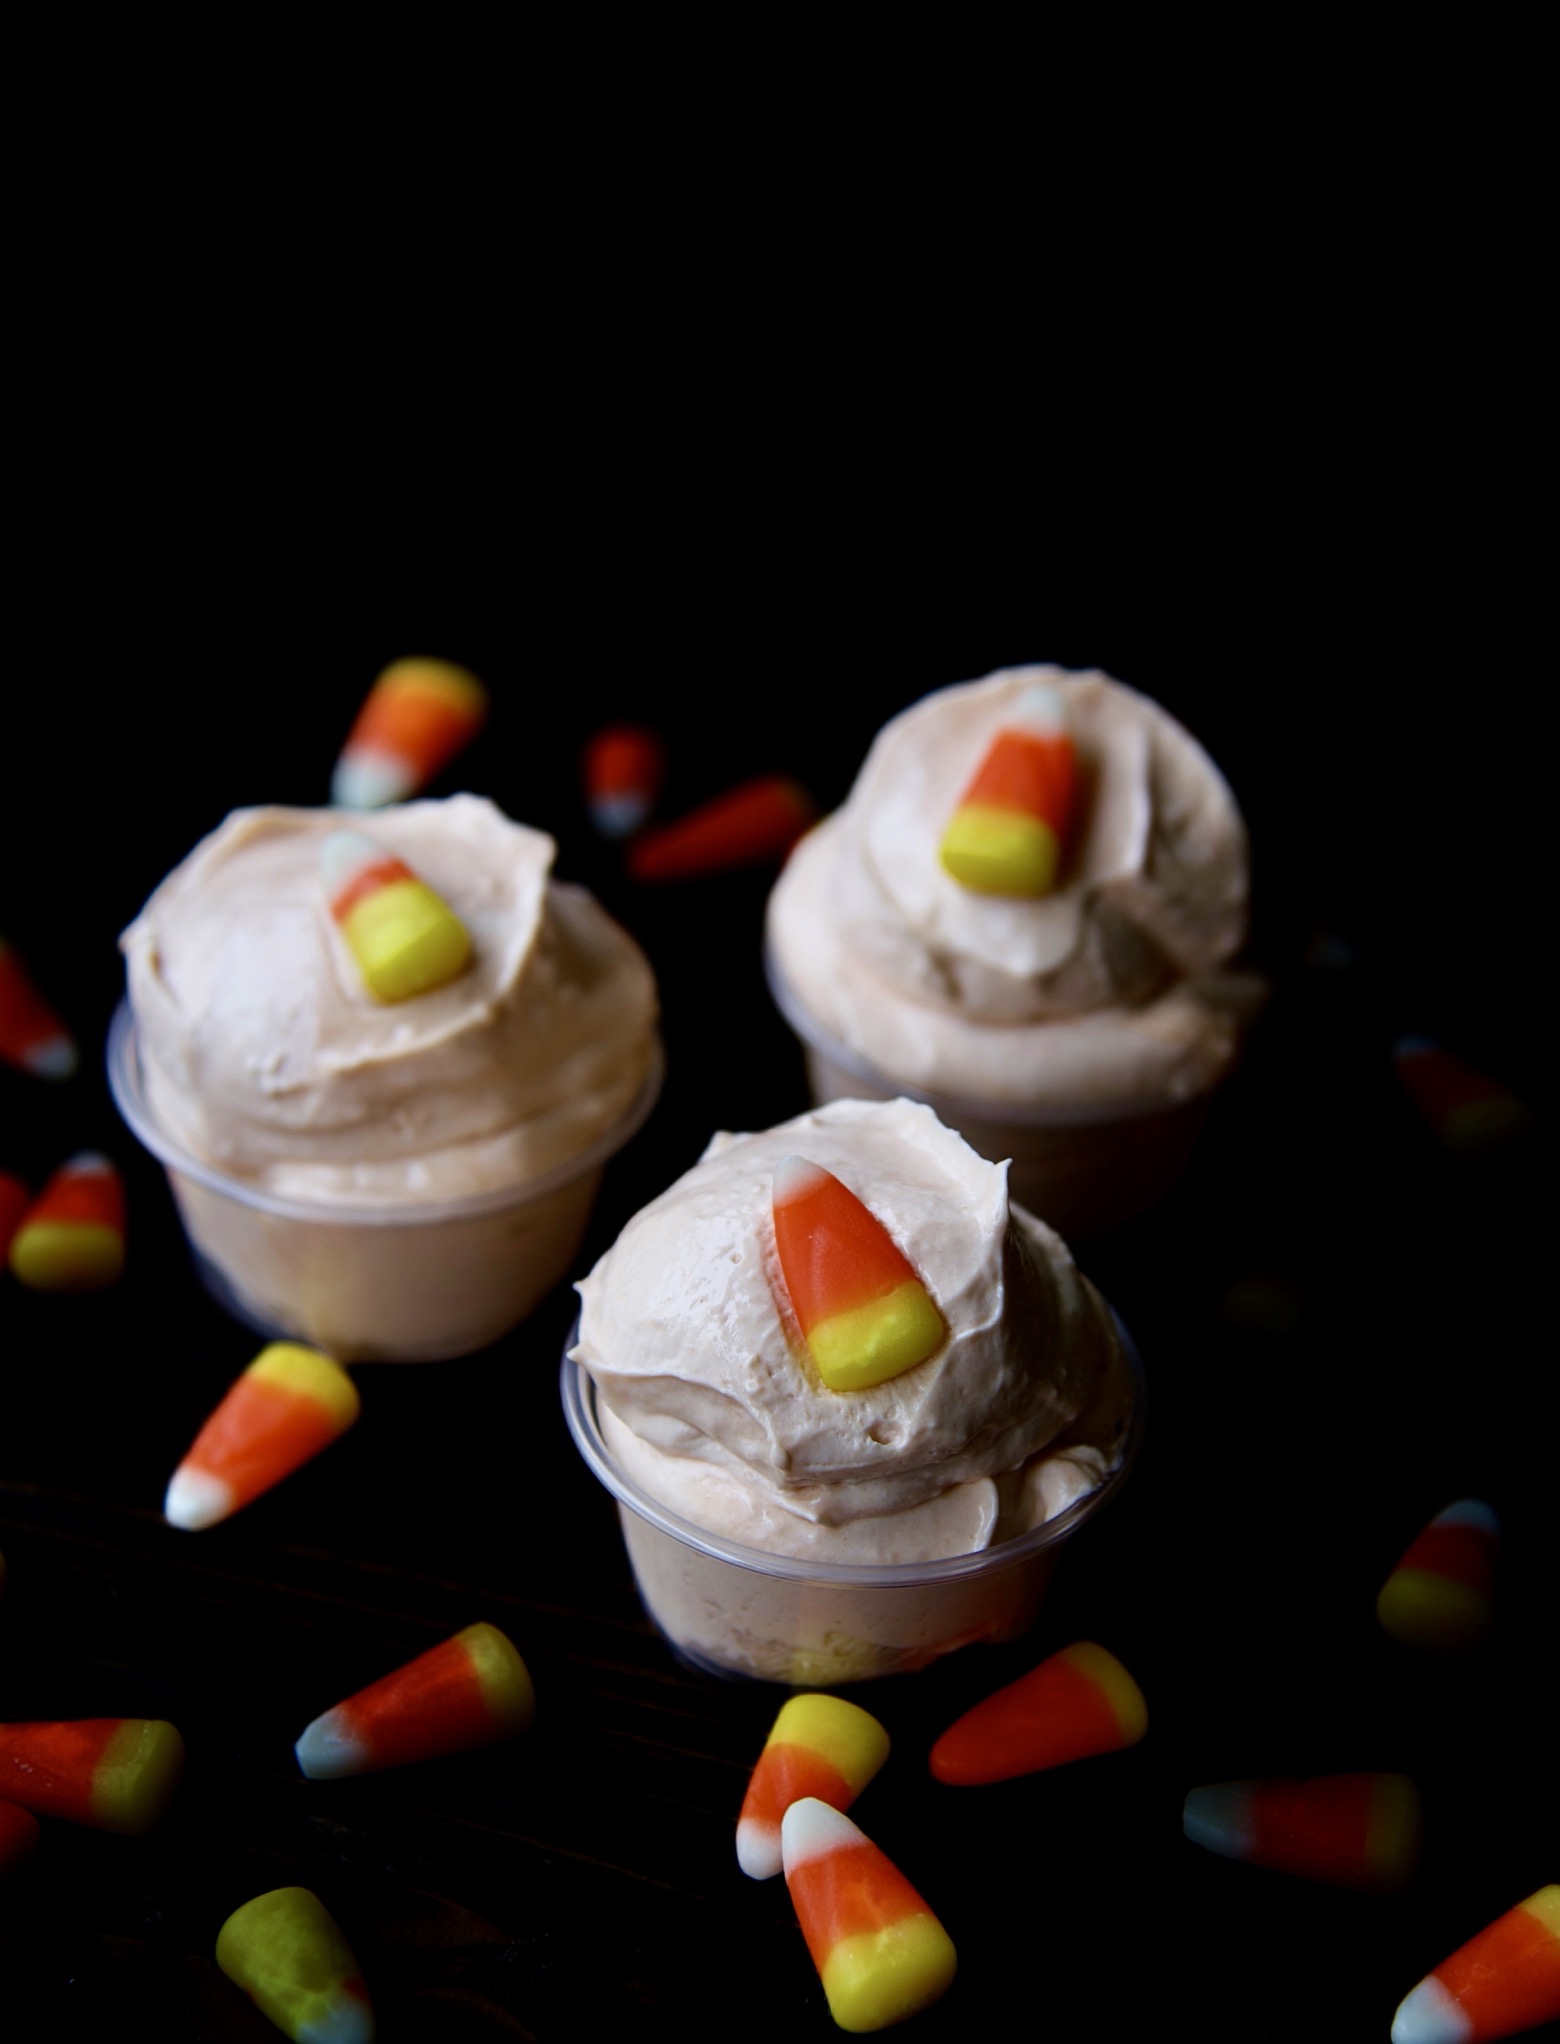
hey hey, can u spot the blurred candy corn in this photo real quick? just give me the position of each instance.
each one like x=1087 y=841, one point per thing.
x=1466 y=1111
x=15 y=1199
x=18 y=1835
x=72 y=1238
x=288 y=1954
x=818 y=1746
x=1354 y=1830
x=403 y=937
x=622 y=767
x=417 y=716
x=1505 y=1980
x=759 y=820
x=289 y=1404
x=114 y=1774
x=1079 y=1702
x=1442 y=1592
x=31 y=1034
x=880 y=1952
x=473 y=1690
x=865 y=1314
x=1009 y=833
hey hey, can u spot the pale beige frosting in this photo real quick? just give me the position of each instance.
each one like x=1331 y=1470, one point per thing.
x=265 y=1055
x=712 y=1408
x=1113 y=989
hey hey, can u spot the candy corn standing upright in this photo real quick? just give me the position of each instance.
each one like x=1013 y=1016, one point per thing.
x=31 y=1034
x=622 y=767
x=1009 y=833
x=72 y=1238
x=289 y=1404
x=417 y=716
x=404 y=939
x=1441 y=1593
x=470 y=1691
x=1503 y=1981
x=818 y=1746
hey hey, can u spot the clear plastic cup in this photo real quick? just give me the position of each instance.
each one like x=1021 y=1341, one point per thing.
x=734 y=1611
x=375 y=1283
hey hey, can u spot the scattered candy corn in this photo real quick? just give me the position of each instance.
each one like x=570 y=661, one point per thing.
x=1079 y=1702
x=72 y=1238
x=288 y=1954
x=289 y=1404
x=864 y=1313
x=15 y=1199
x=18 y=1835
x=115 y=1774
x=417 y=716
x=1355 y=1830
x=1466 y=1111
x=880 y=1952
x=31 y=1034
x=1441 y=1594
x=818 y=1746
x=759 y=820
x=473 y=1690
x=404 y=938
x=1504 y=1980
x=623 y=766
x=1009 y=833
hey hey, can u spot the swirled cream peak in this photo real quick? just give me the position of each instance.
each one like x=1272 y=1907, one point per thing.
x=719 y=1412
x=266 y=1055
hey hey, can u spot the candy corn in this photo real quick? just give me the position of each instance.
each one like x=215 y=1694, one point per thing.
x=759 y=820
x=1504 y=1980
x=623 y=765
x=114 y=1774
x=1079 y=1702
x=880 y=1952
x=1441 y=1594
x=72 y=1238
x=818 y=1746
x=18 y=1835
x=289 y=1404
x=1009 y=833
x=1354 y=1830
x=403 y=937
x=1466 y=1111
x=15 y=1199
x=862 y=1310
x=417 y=716
x=31 y=1034
x=473 y=1690
x=287 y=1952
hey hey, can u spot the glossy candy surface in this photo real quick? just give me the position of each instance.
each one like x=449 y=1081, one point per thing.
x=470 y=1691
x=289 y=1955
x=417 y=716
x=1077 y=1703
x=1009 y=834
x=405 y=939
x=818 y=1746
x=113 y=1774
x=289 y=1404
x=72 y=1238
x=1503 y=1981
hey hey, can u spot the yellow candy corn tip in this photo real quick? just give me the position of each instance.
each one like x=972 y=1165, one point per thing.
x=1000 y=851
x=1120 y=1690
x=871 y=1343
x=310 y=1374
x=67 y=1256
x=287 y=1952
x=134 y=1781
x=881 y=1977
x=406 y=941
x=1421 y=1609
x=849 y=1738
x=1395 y=1832
x=507 y=1688
x=458 y=685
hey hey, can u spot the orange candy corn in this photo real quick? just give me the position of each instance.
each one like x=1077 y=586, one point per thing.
x=818 y=1746
x=417 y=716
x=1504 y=1980
x=623 y=766
x=1441 y=1594
x=405 y=939
x=1009 y=833
x=291 y=1957
x=863 y=1311
x=15 y=1199
x=1079 y=1702
x=1466 y=1111
x=18 y=1835
x=1354 y=1830
x=880 y=1952
x=31 y=1034
x=289 y=1404
x=72 y=1238
x=759 y=820
x=114 y=1774
x=473 y=1690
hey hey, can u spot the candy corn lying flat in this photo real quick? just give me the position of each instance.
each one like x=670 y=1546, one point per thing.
x=1504 y=1980
x=414 y=720
x=1009 y=832
x=818 y=1746
x=404 y=938
x=72 y=1239
x=879 y=1951
x=623 y=766
x=288 y=1954
x=1355 y=1830
x=1466 y=1111
x=864 y=1313
x=18 y=1835
x=289 y=1404
x=31 y=1034
x=115 y=1774
x=471 y=1691
x=1079 y=1702
x=1441 y=1594
x=15 y=1199
x=759 y=820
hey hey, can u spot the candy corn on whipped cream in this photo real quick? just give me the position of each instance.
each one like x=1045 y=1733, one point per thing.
x=836 y=1340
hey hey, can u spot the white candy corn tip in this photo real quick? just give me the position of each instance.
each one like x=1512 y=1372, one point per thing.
x=56 y=1059
x=1043 y=708
x=1471 y=1512
x=758 y=1849
x=196 y=1499
x=811 y=1829
x=619 y=815
x=329 y=1748
x=1219 y=1818
x=89 y=1164
x=344 y=854
x=1430 y=2016
x=366 y=778
x=793 y=1178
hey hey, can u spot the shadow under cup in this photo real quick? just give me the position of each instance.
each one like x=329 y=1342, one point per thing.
x=390 y=1283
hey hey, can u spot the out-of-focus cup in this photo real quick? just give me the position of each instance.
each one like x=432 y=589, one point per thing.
x=734 y=1611
x=389 y=1283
